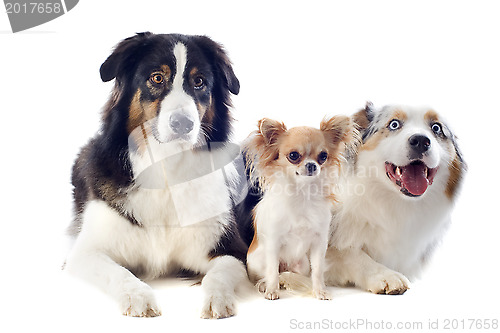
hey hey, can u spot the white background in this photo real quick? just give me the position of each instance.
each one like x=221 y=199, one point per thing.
x=297 y=62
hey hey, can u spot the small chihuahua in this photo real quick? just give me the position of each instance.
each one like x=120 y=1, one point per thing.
x=296 y=171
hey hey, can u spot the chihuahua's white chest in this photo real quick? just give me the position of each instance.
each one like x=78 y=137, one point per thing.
x=294 y=220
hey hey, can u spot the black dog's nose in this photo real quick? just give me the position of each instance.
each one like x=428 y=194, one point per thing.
x=311 y=168
x=180 y=123
x=419 y=143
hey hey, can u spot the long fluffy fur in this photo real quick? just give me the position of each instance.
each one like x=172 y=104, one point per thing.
x=147 y=202
x=296 y=204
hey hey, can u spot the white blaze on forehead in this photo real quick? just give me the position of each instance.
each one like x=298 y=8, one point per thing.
x=180 y=54
x=178 y=101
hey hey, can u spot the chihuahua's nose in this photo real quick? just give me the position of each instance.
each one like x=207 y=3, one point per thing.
x=311 y=168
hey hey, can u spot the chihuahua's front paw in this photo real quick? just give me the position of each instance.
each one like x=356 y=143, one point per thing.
x=271 y=294
x=322 y=294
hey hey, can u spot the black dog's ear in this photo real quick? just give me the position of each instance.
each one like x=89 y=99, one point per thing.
x=109 y=69
x=222 y=63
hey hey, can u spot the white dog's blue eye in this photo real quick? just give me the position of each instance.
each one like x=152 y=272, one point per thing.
x=394 y=125
x=436 y=128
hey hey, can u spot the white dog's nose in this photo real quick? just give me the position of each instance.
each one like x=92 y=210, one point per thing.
x=419 y=143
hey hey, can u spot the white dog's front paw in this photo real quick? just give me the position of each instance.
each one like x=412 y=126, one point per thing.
x=389 y=282
x=219 y=306
x=139 y=302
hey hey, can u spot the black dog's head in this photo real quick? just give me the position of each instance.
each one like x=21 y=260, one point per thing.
x=173 y=87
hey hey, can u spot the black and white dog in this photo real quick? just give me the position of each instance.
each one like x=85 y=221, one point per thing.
x=148 y=199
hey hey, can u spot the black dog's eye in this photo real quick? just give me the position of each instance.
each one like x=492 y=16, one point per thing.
x=156 y=78
x=294 y=157
x=322 y=157
x=436 y=128
x=198 y=82
x=394 y=125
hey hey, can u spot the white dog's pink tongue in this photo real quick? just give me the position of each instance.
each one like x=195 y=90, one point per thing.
x=414 y=178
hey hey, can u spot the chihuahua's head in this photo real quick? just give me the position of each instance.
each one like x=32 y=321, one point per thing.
x=300 y=153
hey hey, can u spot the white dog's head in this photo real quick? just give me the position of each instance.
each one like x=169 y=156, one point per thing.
x=410 y=148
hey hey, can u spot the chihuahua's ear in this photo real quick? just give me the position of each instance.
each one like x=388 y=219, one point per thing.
x=261 y=148
x=341 y=129
x=271 y=130
x=337 y=129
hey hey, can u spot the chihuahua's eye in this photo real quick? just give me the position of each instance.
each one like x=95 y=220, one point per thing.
x=322 y=157
x=294 y=157
x=156 y=78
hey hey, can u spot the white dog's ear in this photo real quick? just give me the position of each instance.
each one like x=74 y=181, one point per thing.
x=364 y=117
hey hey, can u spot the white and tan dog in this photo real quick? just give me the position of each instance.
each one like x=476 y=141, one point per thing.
x=395 y=200
x=296 y=170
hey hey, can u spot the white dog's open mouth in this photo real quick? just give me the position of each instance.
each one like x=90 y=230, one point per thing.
x=413 y=179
